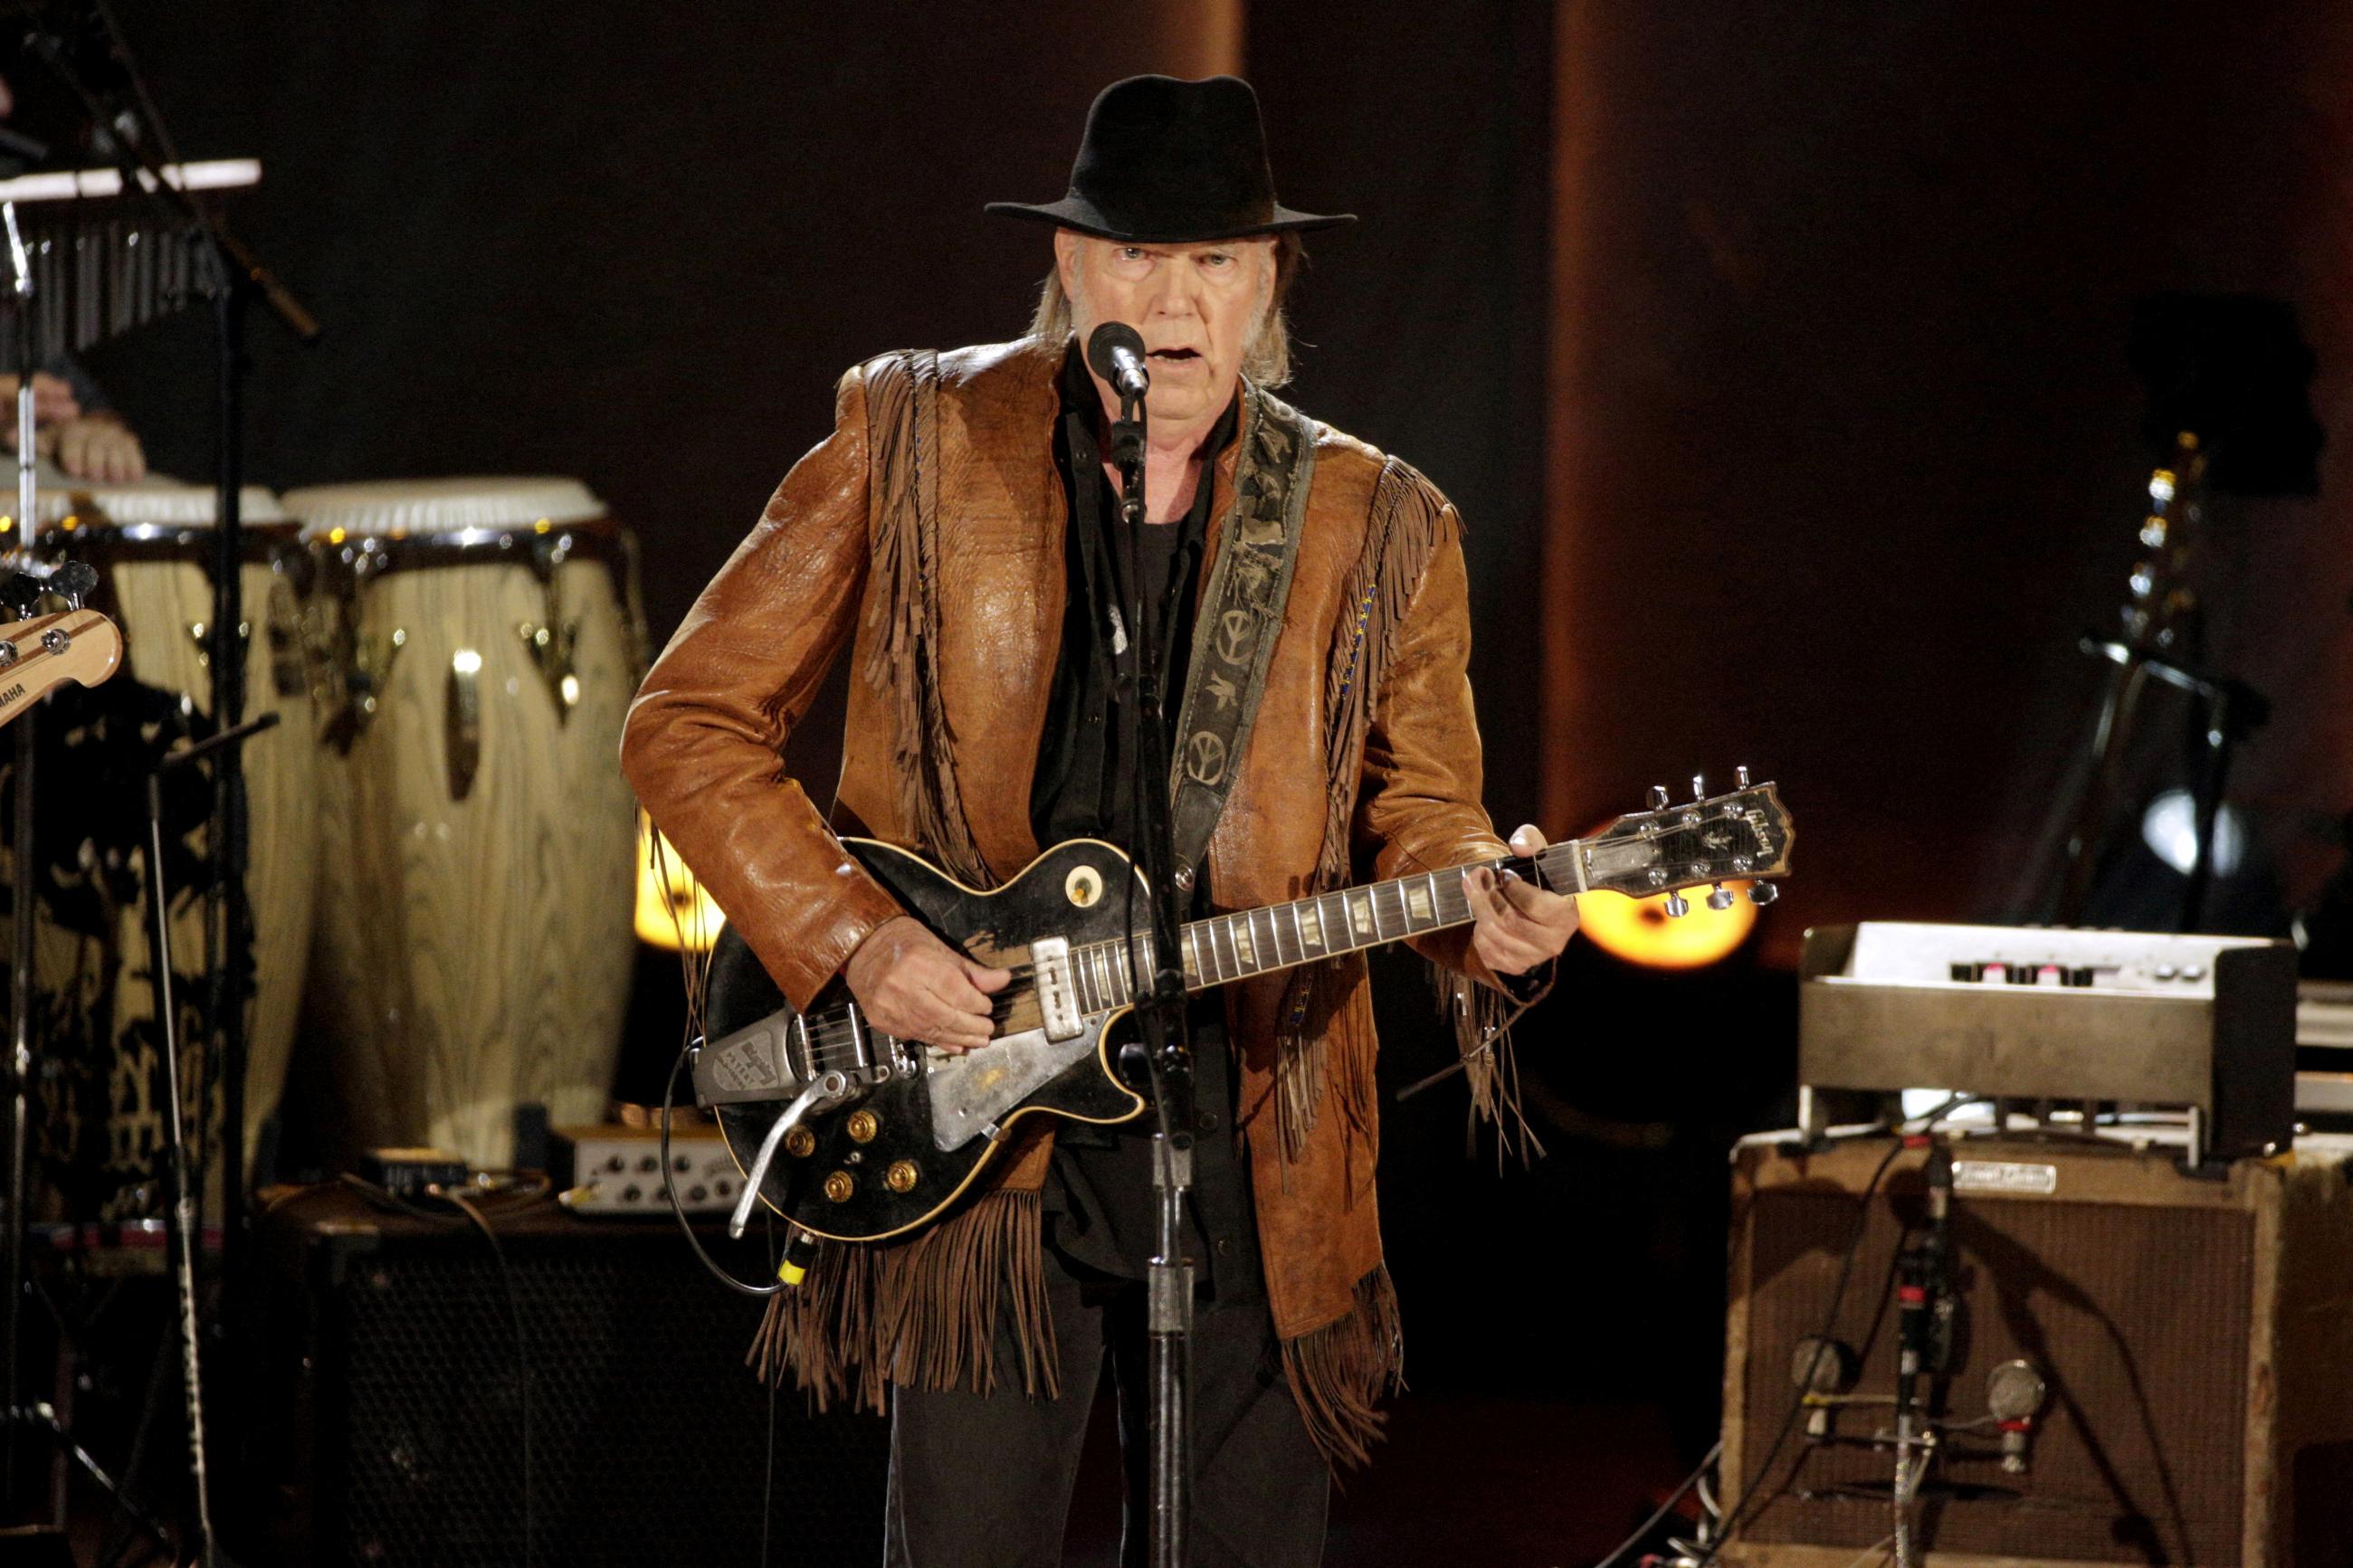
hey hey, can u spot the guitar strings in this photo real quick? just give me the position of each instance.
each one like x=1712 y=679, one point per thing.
x=835 y=1037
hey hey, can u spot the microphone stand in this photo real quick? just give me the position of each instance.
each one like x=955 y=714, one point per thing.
x=20 y=968
x=1923 y=1337
x=185 y=1182
x=1160 y=1010
x=231 y=275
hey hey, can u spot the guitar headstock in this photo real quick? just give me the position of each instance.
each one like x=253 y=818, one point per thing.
x=49 y=650
x=1742 y=836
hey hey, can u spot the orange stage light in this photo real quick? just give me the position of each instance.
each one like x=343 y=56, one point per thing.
x=673 y=910
x=1639 y=931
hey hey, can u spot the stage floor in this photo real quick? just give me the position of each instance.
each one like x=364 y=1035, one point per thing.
x=1462 y=1478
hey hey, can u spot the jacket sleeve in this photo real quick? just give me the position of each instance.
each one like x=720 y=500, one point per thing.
x=1418 y=806
x=703 y=743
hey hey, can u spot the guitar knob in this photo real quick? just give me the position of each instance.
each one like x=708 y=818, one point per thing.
x=1658 y=798
x=1721 y=899
x=1763 y=893
x=1677 y=905
x=1740 y=778
x=1699 y=786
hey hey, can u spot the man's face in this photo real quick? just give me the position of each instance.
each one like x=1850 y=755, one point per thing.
x=1196 y=306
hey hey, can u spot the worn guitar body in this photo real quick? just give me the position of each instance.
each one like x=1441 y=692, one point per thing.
x=855 y=1135
x=872 y=1165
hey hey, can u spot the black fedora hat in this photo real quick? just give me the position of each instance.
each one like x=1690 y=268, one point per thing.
x=1165 y=161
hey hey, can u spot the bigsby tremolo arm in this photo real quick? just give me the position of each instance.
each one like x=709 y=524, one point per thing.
x=822 y=1090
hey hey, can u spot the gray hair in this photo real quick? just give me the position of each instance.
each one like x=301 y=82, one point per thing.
x=1266 y=358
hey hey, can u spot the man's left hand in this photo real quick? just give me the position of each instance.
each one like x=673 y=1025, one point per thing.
x=1518 y=925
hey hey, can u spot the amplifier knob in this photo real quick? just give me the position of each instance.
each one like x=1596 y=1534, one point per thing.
x=900 y=1177
x=863 y=1125
x=800 y=1143
x=839 y=1186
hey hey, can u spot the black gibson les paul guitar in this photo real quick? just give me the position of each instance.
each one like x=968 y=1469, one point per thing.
x=856 y=1135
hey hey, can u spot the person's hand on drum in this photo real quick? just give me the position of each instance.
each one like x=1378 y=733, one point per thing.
x=53 y=403
x=911 y=984
x=97 y=447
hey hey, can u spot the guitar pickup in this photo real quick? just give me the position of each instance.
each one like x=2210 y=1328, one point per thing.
x=1058 y=997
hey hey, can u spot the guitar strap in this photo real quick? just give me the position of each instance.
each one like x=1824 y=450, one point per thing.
x=1241 y=616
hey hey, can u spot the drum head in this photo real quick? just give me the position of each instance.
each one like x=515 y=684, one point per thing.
x=456 y=510
x=151 y=509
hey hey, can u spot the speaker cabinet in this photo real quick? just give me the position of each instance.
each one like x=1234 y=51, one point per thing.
x=2195 y=1334
x=385 y=1415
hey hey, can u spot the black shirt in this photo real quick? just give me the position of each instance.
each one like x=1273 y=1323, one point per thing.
x=1102 y=1218
x=1084 y=787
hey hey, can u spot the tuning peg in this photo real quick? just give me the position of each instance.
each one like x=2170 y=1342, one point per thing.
x=1677 y=905
x=1721 y=899
x=1658 y=798
x=1699 y=786
x=1763 y=893
x=1740 y=778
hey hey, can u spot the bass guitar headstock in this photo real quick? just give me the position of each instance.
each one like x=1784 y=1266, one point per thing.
x=49 y=650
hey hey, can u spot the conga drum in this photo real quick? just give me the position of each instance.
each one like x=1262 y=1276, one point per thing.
x=151 y=544
x=474 y=945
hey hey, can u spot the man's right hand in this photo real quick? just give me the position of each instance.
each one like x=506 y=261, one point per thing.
x=911 y=984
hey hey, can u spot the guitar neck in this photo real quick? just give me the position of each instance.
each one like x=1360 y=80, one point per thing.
x=1223 y=949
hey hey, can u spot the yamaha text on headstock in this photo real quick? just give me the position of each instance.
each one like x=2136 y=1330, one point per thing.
x=47 y=651
x=856 y=1135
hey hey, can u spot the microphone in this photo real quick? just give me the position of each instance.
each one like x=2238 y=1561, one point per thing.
x=1115 y=352
x=1925 y=1319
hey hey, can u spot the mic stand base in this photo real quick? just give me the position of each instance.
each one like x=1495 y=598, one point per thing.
x=1169 y=1309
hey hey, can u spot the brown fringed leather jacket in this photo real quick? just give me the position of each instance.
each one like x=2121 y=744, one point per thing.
x=927 y=534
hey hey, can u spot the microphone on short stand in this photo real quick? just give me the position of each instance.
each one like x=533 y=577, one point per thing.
x=1924 y=1340
x=1115 y=352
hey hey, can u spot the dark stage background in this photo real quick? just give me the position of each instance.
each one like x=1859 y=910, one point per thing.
x=1775 y=352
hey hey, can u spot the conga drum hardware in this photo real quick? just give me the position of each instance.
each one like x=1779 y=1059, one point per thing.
x=362 y=663
x=464 y=718
x=551 y=646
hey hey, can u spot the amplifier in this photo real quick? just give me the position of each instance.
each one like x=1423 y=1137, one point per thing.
x=386 y=1407
x=2191 y=1332
x=2204 y=1024
x=616 y=1170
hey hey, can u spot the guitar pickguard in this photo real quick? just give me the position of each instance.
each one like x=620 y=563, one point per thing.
x=973 y=1092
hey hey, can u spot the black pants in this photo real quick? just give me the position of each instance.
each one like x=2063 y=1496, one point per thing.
x=985 y=1481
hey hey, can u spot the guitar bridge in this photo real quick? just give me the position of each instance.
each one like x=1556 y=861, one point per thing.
x=1058 y=997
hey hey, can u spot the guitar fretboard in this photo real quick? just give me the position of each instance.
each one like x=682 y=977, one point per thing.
x=1226 y=948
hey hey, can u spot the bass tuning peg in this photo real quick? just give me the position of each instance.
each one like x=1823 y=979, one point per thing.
x=1677 y=905
x=1658 y=798
x=1740 y=778
x=1721 y=899
x=1763 y=893
x=1699 y=786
